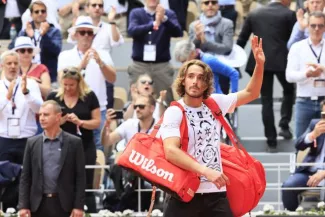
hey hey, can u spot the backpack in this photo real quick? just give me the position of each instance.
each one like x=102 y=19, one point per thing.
x=246 y=174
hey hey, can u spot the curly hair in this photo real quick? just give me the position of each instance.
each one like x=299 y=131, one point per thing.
x=207 y=77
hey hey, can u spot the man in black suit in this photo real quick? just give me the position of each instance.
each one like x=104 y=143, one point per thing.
x=53 y=179
x=304 y=176
x=273 y=23
x=10 y=14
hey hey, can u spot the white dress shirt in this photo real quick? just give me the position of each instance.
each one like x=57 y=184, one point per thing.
x=27 y=106
x=299 y=55
x=119 y=8
x=93 y=75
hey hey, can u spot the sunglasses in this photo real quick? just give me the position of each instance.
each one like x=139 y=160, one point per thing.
x=23 y=50
x=146 y=82
x=83 y=33
x=71 y=72
x=320 y=26
x=40 y=11
x=141 y=106
x=95 y=5
x=208 y=2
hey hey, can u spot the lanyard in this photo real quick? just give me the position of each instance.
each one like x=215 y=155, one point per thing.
x=139 y=128
x=317 y=57
x=30 y=66
x=13 y=104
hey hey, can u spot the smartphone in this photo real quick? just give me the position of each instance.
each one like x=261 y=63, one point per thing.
x=323 y=115
x=119 y=114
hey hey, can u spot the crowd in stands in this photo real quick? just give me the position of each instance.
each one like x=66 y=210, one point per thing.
x=36 y=68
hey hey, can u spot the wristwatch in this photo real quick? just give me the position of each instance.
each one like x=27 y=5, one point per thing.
x=26 y=92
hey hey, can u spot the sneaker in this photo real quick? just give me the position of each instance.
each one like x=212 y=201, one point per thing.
x=286 y=133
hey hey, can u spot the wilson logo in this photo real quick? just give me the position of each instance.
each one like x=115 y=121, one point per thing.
x=146 y=164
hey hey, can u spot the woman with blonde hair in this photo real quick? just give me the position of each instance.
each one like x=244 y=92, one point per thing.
x=80 y=116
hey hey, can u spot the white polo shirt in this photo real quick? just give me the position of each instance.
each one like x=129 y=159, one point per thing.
x=27 y=106
x=93 y=74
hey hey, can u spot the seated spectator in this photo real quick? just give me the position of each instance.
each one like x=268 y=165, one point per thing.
x=20 y=101
x=144 y=87
x=213 y=34
x=80 y=116
x=45 y=36
x=305 y=176
x=151 y=29
x=10 y=13
x=144 y=123
x=39 y=72
x=185 y=51
x=96 y=65
x=300 y=29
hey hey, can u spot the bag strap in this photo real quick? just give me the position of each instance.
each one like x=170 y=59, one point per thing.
x=217 y=113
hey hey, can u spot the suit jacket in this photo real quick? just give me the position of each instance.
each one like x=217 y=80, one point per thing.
x=273 y=23
x=22 y=6
x=71 y=181
x=314 y=151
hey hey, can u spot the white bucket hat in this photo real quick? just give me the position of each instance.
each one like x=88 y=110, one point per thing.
x=83 y=22
x=25 y=42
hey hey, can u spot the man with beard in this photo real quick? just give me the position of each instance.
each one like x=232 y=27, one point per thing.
x=194 y=83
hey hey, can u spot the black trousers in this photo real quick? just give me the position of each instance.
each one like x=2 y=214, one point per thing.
x=5 y=32
x=12 y=150
x=267 y=103
x=90 y=159
x=202 y=205
x=50 y=207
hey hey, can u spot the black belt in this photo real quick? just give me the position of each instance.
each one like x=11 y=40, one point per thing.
x=226 y=7
x=50 y=195
x=315 y=98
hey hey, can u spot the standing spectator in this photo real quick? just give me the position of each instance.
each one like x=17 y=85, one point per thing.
x=95 y=65
x=228 y=10
x=44 y=36
x=39 y=72
x=65 y=16
x=305 y=67
x=20 y=100
x=300 y=29
x=151 y=29
x=273 y=23
x=53 y=178
x=10 y=13
x=80 y=116
x=213 y=34
x=180 y=9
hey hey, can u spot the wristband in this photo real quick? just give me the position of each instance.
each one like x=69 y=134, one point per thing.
x=112 y=23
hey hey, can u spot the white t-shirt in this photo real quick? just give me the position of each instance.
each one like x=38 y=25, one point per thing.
x=128 y=129
x=93 y=74
x=203 y=132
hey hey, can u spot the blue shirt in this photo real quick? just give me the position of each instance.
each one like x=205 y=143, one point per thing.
x=141 y=30
x=298 y=35
x=220 y=68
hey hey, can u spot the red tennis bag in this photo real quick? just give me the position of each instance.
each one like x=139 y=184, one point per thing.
x=246 y=174
x=145 y=156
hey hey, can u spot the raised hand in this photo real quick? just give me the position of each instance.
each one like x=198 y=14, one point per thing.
x=29 y=30
x=301 y=20
x=24 y=83
x=257 y=48
x=110 y=115
x=11 y=89
x=160 y=13
x=44 y=28
x=112 y=14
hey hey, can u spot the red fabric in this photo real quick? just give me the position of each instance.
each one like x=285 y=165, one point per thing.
x=245 y=173
x=38 y=71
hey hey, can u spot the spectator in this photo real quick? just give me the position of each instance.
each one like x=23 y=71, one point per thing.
x=300 y=30
x=20 y=100
x=185 y=51
x=273 y=23
x=65 y=16
x=95 y=65
x=39 y=72
x=144 y=87
x=45 y=36
x=53 y=181
x=80 y=116
x=180 y=9
x=213 y=34
x=228 y=10
x=305 y=176
x=305 y=67
x=10 y=13
x=144 y=123
x=151 y=29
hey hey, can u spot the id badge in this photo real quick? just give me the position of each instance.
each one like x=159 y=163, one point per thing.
x=13 y=127
x=149 y=52
x=319 y=83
